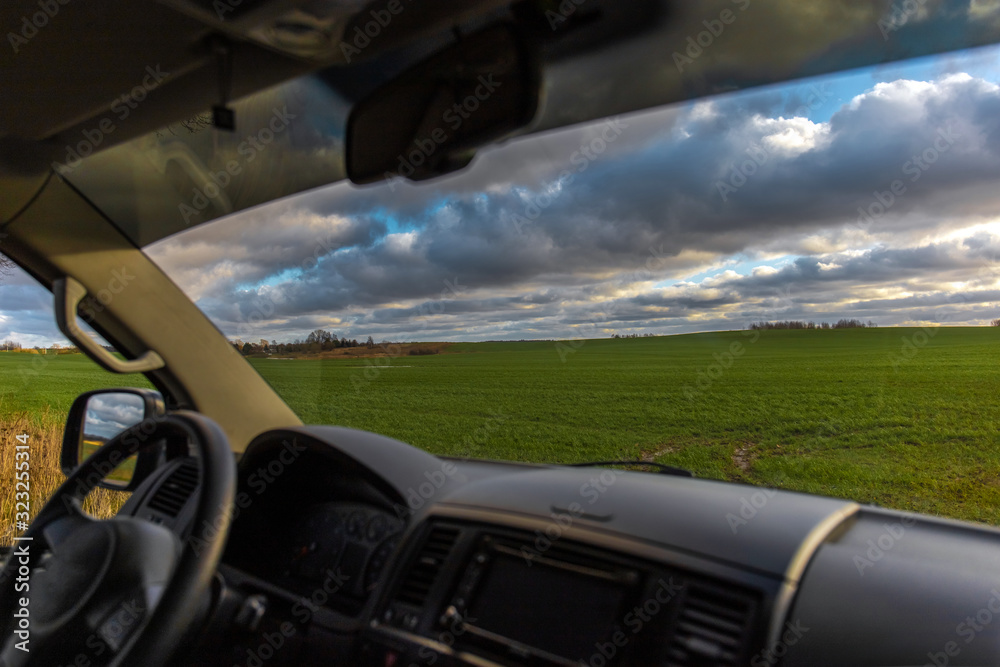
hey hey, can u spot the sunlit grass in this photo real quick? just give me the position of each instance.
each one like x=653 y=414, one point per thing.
x=36 y=392
x=852 y=413
x=857 y=414
x=44 y=437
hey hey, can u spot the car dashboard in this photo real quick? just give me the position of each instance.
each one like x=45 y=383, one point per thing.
x=354 y=548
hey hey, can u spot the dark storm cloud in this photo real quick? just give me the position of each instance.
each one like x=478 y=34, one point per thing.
x=569 y=219
x=880 y=266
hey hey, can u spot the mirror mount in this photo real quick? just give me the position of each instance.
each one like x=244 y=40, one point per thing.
x=124 y=408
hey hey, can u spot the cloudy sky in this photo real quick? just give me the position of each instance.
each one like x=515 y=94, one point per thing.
x=870 y=195
x=110 y=415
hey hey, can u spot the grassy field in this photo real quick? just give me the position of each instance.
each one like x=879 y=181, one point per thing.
x=890 y=416
x=905 y=418
x=35 y=395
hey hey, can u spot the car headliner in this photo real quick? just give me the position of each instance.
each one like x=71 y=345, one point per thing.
x=67 y=83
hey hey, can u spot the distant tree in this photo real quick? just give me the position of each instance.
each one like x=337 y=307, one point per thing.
x=247 y=348
x=6 y=265
x=795 y=324
x=995 y=323
x=847 y=324
x=370 y=344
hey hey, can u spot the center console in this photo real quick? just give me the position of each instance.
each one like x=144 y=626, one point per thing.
x=489 y=595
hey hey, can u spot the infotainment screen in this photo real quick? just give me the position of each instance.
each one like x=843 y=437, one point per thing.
x=560 y=610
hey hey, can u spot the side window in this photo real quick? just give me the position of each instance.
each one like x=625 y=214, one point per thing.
x=41 y=374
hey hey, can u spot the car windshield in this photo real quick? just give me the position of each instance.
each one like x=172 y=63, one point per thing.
x=794 y=286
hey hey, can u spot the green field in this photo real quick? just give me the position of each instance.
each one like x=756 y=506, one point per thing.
x=890 y=416
x=44 y=386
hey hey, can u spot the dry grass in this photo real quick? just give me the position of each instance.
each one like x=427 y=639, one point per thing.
x=45 y=440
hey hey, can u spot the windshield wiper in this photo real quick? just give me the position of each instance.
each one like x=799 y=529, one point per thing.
x=661 y=468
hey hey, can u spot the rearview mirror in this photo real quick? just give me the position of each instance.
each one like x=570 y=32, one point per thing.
x=430 y=120
x=97 y=416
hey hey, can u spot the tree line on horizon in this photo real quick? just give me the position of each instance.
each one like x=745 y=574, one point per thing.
x=14 y=346
x=318 y=340
x=798 y=324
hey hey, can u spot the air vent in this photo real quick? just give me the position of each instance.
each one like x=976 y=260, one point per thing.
x=712 y=629
x=424 y=572
x=174 y=492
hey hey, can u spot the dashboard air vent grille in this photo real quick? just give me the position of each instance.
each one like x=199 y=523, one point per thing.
x=174 y=492
x=712 y=629
x=424 y=572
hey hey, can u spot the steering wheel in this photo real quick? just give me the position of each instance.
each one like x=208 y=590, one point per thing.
x=123 y=591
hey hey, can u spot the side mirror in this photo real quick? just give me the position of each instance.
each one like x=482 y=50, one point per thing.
x=430 y=120
x=97 y=416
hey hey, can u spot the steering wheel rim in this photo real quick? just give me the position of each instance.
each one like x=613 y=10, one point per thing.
x=62 y=527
